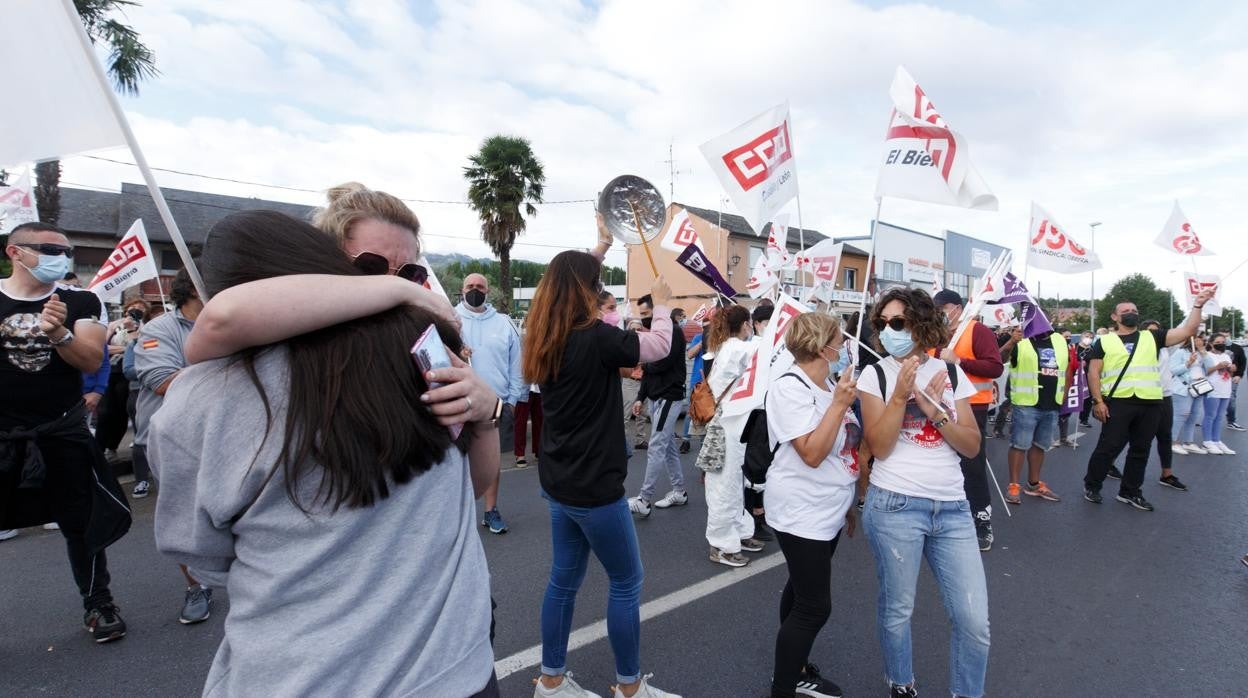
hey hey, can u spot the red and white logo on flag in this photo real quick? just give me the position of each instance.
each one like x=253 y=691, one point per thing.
x=680 y=233
x=756 y=166
x=1180 y=237
x=129 y=264
x=751 y=164
x=129 y=251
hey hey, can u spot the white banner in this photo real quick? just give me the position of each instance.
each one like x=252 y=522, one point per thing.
x=1193 y=284
x=770 y=356
x=17 y=204
x=778 y=256
x=1051 y=247
x=763 y=279
x=924 y=159
x=63 y=110
x=680 y=233
x=754 y=163
x=998 y=316
x=1180 y=237
x=131 y=263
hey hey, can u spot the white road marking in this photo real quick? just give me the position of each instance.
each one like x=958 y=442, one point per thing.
x=651 y=609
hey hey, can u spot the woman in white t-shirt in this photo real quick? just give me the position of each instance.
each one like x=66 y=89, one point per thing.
x=916 y=506
x=810 y=487
x=1220 y=369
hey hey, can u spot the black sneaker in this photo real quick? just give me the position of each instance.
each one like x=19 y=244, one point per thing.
x=762 y=531
x=1173 y=482
x=810 y=683
x=895 y=691
x=1085 y=425
x=983 y=531
x=1093 y=496
x=104 y=623
x=1235 y=426
x=641 y=445
x=1136 y=501
x=684 y=446
x=1114 y=473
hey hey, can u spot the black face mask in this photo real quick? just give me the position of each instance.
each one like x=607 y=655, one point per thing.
x=645 y=322
x=1219 y=347
x=136 y=315
x=475 y=298
x=1129 y=319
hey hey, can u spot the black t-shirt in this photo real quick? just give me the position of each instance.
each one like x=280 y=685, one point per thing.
x=583 y=459
x=36 y=384
x=1128 y=341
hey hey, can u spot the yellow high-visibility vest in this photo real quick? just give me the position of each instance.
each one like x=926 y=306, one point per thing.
x=1025 y=378
x=1142 y=378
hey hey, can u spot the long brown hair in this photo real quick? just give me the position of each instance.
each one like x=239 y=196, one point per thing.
x=925 y=321
x=354 y=412
x=725 y=323
x=565 y=300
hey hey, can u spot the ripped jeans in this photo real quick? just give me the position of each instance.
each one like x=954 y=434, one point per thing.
x=902 y=531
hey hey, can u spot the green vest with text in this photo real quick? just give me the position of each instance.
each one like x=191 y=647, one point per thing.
x=1025 y=377
x=1142 y=379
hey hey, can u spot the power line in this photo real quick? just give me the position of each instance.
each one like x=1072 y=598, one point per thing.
x=303 y=190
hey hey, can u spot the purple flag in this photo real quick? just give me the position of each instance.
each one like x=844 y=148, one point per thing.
x=1031 y=317
x=695 y=261
x=1076 y=393
x=1013 y=291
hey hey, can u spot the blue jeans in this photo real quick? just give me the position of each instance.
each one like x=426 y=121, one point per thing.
x=1230 y=406
x=1211 y=425
x=902 y=531
x=663 y=453
x=1033 y=426
x=1186 y=414
x=607 y=531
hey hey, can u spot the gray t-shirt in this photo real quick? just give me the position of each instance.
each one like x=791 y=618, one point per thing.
x=391 y=599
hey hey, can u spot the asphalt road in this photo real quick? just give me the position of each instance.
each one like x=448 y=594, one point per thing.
x=1085 y=600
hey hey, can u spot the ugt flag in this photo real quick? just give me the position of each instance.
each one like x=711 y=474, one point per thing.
x=17 y=204
x=66 y=110
x=754 y=163
x=924 y=158
x=1051 y=247
x=1180 y=237
x=130 y=264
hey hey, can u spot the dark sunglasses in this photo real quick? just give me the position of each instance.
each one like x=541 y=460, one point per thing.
x=897 y=324
x=49 y=248
x=374 y=264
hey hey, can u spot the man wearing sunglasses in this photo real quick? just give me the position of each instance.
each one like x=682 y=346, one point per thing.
x=496 y=358
x=50 y=466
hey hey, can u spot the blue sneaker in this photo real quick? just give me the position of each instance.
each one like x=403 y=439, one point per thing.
x=494 y=521
x=198 y=605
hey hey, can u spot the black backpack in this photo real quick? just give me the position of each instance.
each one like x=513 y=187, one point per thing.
x=879 y=373
x=758 y=449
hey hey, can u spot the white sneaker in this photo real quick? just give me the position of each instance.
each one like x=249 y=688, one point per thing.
x=52 y=526
x=1226 y=450
x=646 y=690
x=8 y=534
x=1213 y=448
x=1194 y=448
x=566 y=689
x=672 y=499
x=730 y=559
x=639 y=506
x=1178 y=449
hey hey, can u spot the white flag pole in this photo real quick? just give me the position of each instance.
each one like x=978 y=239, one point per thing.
x=153 y=188
x=862 y=307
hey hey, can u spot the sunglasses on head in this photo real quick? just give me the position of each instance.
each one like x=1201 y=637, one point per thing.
x=49 y=248
x=374 y=264
x=897 y=324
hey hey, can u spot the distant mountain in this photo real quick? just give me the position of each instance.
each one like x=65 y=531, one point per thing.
x=441 y=260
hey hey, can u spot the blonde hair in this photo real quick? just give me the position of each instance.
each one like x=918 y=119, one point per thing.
x=352 y=202
x=809 y=333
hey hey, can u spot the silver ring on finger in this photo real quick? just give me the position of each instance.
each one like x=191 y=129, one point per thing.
x=469 y=401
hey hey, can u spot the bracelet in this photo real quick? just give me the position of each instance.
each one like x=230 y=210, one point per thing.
x=941 y=423
x=65 y=338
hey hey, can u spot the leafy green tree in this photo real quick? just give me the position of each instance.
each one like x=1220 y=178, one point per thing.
x=1231 y=321
x=504 y=176
x=1154 y=303
x=130 y=62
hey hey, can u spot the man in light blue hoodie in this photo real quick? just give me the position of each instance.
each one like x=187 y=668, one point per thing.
x=495 y=347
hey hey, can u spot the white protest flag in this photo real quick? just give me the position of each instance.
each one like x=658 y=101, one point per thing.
x=1051 y=247
x=770 y=357
x=1179 y=237
x=130 y=264
x=64 y=111
x=763 y=279
x=778 y=256
x=998 y=316
x=754 y=163
x=17 y=204
x=1193 y=284
x=680 y=233
x=823 y=260
x=924 y=158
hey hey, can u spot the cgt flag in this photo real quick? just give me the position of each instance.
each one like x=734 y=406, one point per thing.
x=696 y=262
x=17 y=204
x=1051 y=247
x=680 y=233
x=924 y=158
x=754 y=163
x=1179 y=237
x=130 y=264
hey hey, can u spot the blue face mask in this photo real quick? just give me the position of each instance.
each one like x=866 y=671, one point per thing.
x=897 y=343
x=51 y=268
x=842 y=361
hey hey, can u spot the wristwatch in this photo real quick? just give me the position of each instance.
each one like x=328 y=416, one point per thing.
x=498 y=413
x=943 y=421
x=65 y=338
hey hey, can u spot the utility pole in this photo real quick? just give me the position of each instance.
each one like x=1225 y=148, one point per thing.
x=671 y=172
x=1092 y=300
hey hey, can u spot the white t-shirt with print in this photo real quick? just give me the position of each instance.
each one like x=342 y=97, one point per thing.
x=921 y=464
x=1220 y=378
x=801 y=500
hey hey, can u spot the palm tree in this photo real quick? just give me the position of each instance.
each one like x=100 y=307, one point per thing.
x=130 y=61
x=503 y=176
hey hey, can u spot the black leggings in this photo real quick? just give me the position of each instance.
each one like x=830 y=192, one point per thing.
x=805 y=606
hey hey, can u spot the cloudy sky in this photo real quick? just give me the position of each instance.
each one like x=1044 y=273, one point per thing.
x=1099 y=111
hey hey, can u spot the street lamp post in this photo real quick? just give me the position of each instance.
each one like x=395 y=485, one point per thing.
x=1092 y=300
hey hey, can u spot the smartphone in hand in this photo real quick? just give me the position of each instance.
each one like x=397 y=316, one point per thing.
x=430 y=353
